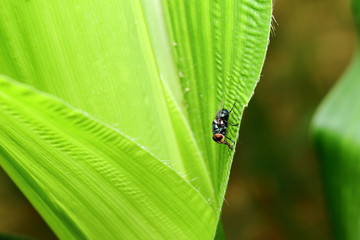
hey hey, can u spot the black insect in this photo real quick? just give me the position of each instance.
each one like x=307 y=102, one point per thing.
x=220 y=125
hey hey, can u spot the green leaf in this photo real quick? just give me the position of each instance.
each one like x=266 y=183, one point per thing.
x=113 y=76
x=336 y=131
x=146 y=78
x=85 y=177
x=219 y=48
x=95 y=56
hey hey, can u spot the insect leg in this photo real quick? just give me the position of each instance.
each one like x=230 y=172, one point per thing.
x=228 y=144
x=232 y=124
x=230 y=139
x=232 y=107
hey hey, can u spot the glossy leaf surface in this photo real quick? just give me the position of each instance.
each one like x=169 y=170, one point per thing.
x=113 y=125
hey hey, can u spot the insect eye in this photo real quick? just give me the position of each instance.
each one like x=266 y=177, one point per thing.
x=218 y=137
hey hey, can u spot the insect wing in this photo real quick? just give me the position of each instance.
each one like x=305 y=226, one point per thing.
x=221 y=107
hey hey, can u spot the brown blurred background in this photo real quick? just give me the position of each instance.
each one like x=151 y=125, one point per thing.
x=275 y=190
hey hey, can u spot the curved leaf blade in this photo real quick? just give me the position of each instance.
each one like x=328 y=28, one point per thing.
x=89 y=181
x=98 y=57
x=95 y=56
x=219 y=49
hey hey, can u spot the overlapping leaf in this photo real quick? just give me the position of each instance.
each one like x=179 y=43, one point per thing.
x=151 y=75
x=218 y=48
x=85 y=177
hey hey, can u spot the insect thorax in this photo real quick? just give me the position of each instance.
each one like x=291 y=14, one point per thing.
x=219 y=126
x=225 y=114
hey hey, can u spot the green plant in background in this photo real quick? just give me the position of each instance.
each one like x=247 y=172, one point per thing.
x=336 y=130
x=106 y=127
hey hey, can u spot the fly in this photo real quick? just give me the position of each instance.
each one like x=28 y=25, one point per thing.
x=220 y=125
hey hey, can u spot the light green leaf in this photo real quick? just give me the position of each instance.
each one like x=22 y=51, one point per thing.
x=219 y=48
x=336 y=131
x=151 y=73
x=95 y=56
x=86 y=178
x=107 y=69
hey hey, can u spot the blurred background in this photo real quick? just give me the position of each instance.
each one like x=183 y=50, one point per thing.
x=275 y=190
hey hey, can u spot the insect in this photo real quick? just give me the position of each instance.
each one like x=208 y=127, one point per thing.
x=220 y=125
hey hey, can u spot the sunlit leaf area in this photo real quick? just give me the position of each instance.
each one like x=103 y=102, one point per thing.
x=107 y=113
x=107 y=109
